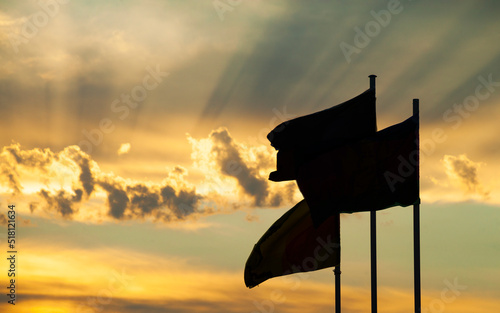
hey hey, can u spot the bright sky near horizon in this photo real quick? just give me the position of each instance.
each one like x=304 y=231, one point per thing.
x=133 y=145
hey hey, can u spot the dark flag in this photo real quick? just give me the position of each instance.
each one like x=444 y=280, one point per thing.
x=293 y=244
x=301 y=139
x=374 y=173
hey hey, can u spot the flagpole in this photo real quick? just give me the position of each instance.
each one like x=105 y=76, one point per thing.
x=337 y=273
x=373 y=239
x=416 y=222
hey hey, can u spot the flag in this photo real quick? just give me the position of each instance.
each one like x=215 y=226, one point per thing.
x=293 y=244
x=374 y=173
x=303 y=138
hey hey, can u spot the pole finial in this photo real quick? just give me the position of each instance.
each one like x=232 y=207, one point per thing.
x=415 y=107
x=372 y=81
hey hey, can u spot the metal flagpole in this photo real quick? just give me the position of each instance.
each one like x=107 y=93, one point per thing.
x=416 y=222
x=337 y=273
x=373 y=239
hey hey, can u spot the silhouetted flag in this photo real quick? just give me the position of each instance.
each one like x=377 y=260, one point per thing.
x=293 y=244
x=303 y=138
x=374 y=173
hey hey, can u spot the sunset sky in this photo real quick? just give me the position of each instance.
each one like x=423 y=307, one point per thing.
x=133 y=145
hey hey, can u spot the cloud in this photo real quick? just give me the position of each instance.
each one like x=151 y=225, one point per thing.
x=36 y=157
x=464 y=171
x=231 y=164
x=10 y=177
x=68 y=183
x=252 y=218
x=86 y=176
x=4 y=221
x=62 y=202
x=228 y=164
x=160 y=201
x=124 y=148
x=12 y=156
x=48 y=165
x=117 y=199
x=170 y=200
x=140 y=200
x=182 y=203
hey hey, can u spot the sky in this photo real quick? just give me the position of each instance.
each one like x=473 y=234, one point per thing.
x=133 y=146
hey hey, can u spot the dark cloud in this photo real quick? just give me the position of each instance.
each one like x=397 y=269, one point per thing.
x=162 y=202
x=84 y=162
x=178 y=170
x=62 y=202
x=8 y=170
x=143 y=198
x=78 y=195
x=3 y=219
x=36 y=157
x=10 y=177
x=465 y=171
x=33 y=206
x=117 y=199
x=231 y=164
x=183 y=204
x=86 y=177
x=284 y=195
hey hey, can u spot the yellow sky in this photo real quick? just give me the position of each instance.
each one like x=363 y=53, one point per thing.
x=58 y=278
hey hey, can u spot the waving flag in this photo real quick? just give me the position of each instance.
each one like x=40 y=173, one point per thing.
x=293 y=244
x=371 y=174
x=303 y=138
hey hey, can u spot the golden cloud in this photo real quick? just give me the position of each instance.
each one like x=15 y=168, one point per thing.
x=68 y=183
